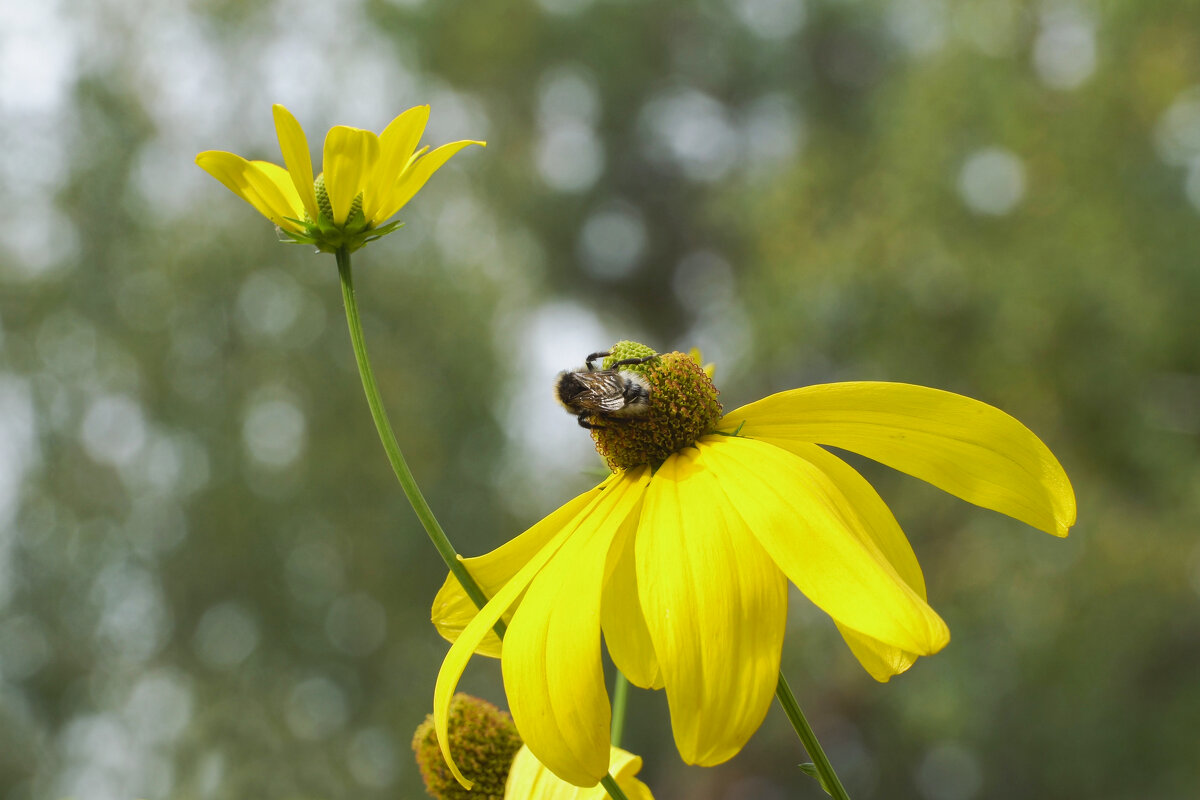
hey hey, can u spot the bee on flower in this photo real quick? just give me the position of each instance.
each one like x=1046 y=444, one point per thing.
x=679 y=561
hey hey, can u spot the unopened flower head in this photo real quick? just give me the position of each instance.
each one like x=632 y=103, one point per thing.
x=367 y=178
x=681 y=564
x=485 y=741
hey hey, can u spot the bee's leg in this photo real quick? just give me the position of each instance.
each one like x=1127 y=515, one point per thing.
x=593 y=357
x=632 y=361
x=584 y=423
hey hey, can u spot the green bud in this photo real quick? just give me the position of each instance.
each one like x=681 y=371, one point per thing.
x=484 y=741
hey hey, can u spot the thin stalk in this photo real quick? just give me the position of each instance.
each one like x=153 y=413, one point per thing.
x=620 y=698
x=391 y=447
x=403 y=474
x=610 y=786
x=829 y=779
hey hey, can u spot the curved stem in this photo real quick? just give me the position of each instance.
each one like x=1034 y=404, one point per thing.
x=828 y=778
x=610 y=786
x=403 y=474
x=620 y=698
x=388 y=438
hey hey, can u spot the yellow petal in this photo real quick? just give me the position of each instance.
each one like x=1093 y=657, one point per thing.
x=479 y=626
x=453 y=610
x=396 y=145
x=716 y=608
x=413 y=178
x=257 y=183
x=882 y=661
x=350 y=155
x=530 y=780
x=960 y=445
x=294 y=146
x=625 y=631
x=552 y=668
x=818 y=538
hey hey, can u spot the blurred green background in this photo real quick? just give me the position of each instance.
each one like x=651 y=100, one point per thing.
x=210 y=585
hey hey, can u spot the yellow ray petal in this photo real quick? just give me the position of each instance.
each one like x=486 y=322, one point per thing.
x=413 y=178
x=960 y=445
x=294 y=146
x=716 y=608
x=396 y=145
x=283 y=182
x=882 y=661
x=625 y=631
x=817 y=537
x=350 y=155
x=479 y=626
x=530 y=780
x=251 y=181
x=552 y=668
x=453 y=610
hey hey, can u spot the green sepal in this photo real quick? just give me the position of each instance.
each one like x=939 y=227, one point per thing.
x=810 y=769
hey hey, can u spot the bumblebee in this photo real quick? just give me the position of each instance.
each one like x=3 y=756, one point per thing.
x=595 y=395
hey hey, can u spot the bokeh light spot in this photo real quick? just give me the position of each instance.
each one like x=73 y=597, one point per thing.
x=226 y=635
x=316 y=708
x=992 y=181
x=274 y=431
x=356 y=624
x=1064 y=52
x=949 y=771
x=612 y=242
x=113 y=431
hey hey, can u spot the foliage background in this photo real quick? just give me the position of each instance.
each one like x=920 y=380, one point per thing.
x=210 y=585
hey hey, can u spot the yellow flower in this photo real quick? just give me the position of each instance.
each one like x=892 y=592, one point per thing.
x=682 y=562
x=367 y=179
x=530 y=780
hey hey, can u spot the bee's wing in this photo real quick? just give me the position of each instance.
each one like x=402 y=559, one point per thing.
x=609 y=391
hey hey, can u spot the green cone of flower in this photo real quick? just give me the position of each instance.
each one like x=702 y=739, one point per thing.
x=484 y=740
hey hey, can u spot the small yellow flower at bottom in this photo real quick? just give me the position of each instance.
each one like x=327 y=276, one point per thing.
x=531 y=780
x=366 y=179
x=680 y=560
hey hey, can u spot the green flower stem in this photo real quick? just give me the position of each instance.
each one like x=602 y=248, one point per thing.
x=404 y=474
x=828 y=778
x=620 y=697
x=395 y=457
x=610 y=786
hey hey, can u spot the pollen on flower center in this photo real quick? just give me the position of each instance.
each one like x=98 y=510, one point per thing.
x=683 y=407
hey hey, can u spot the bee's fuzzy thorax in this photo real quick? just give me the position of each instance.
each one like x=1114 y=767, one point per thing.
x=682 y=407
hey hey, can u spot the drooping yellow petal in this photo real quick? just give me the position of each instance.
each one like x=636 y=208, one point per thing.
x=396 y=145
x=552 y=668
x=530 y=780
x=453 y=610
x=962 y=446
x=625 y=631
x=350 y=155
x=716 y=608
x=283 y=182
x=294 y=146
x=816 y=536
x=413 y=178
x=882 y=661
x=257 y=183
